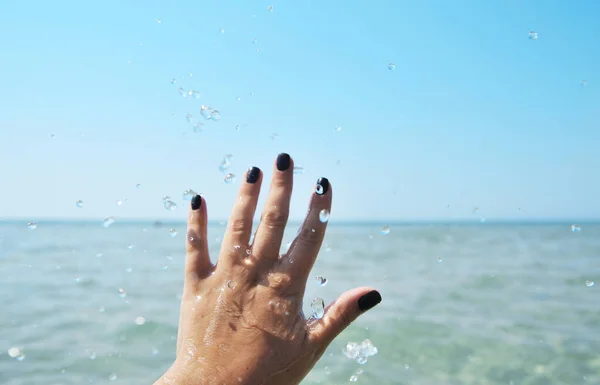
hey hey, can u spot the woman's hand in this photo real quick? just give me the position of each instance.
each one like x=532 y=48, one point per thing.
x=241 y=321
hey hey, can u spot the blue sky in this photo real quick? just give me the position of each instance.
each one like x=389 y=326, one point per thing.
x=474 y=114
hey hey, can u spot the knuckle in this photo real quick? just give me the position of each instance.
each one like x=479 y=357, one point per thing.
x=275 y=218
x=240 y=226
x=194 y=241
x=310 y=236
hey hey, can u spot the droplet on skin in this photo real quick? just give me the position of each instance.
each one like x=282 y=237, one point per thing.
x=248 y=251
x=231 y=284
x=189 y=194
x=79 y=203
x=532 y=35
x=298 y=170
x=32 y=225
x=324 y=215
x=321 y=281
x=589 y=283
x=173 y=233
x=575 y=228
x=317 y=306
x=385 y=230
x=229 y=178
x=140 y=321
x=391 y=66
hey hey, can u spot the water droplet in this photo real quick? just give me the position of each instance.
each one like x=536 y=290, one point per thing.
x=391 y=66
x=138 y=185
x=182 y=92
x=77 y=279
x=129 y=270
x=15 y=352
x=254 y=41
x=406 y=366
x=324 y=215
x=32 y=225
x=130 y=246
x=215 y=115
x=321 y=281
x=248 y=251
x=583 y=83
x=353 y=378
x=225 y=163
x=173 y=233
x=575 y=228
x=122 y=293
x=274 y=136
x=194 y=94
x=155 y=351
x=231 y=284
x=532 y=35
x=205 y=112
x=189 y=194
x=439 y=259
x=270 y=8
x=222 y=30
x=385 y=230
x=79 y=203
x=319 y=189
x=140 y=321
x=189 y=118
x=112 y=377
x=589 y=283
x=229 y=178
x=317 y=306
x=298 y=170
x=173 y=81
x=92 y=355
x=169 y=204
x=158 y=21
x=475 y=209
x=198 y=127
x=119 y=203
x=108 y=221
x=338 y=129
x=52 y=136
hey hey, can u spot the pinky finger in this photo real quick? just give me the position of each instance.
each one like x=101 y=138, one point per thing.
x=197 y=261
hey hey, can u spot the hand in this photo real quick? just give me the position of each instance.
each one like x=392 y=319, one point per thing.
x=241 y=321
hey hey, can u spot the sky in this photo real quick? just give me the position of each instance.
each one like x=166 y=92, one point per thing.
x=474 y=114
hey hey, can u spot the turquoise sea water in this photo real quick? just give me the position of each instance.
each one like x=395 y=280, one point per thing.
x=462 y=304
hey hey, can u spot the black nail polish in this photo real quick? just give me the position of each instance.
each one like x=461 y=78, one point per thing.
x=283 y=161
x=322 y=186
x=252 y=175
x=369 y=300
x=196 y=202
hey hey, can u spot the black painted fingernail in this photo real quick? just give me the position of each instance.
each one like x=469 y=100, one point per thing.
x=369 y=300
x=283 y=161
x=322 y=186
x=252 y=175
x=196 y=202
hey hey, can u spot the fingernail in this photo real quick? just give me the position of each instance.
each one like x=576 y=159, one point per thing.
x=196 y=202
x=322 y=186
x=252 y=175
x=369 y=300
x=283 y=161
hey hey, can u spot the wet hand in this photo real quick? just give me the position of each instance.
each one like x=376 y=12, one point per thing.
x=241 y=320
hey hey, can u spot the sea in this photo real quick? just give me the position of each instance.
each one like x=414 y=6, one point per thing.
x=463 y=303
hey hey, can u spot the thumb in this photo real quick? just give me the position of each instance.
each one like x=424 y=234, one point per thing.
x=341 y=313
